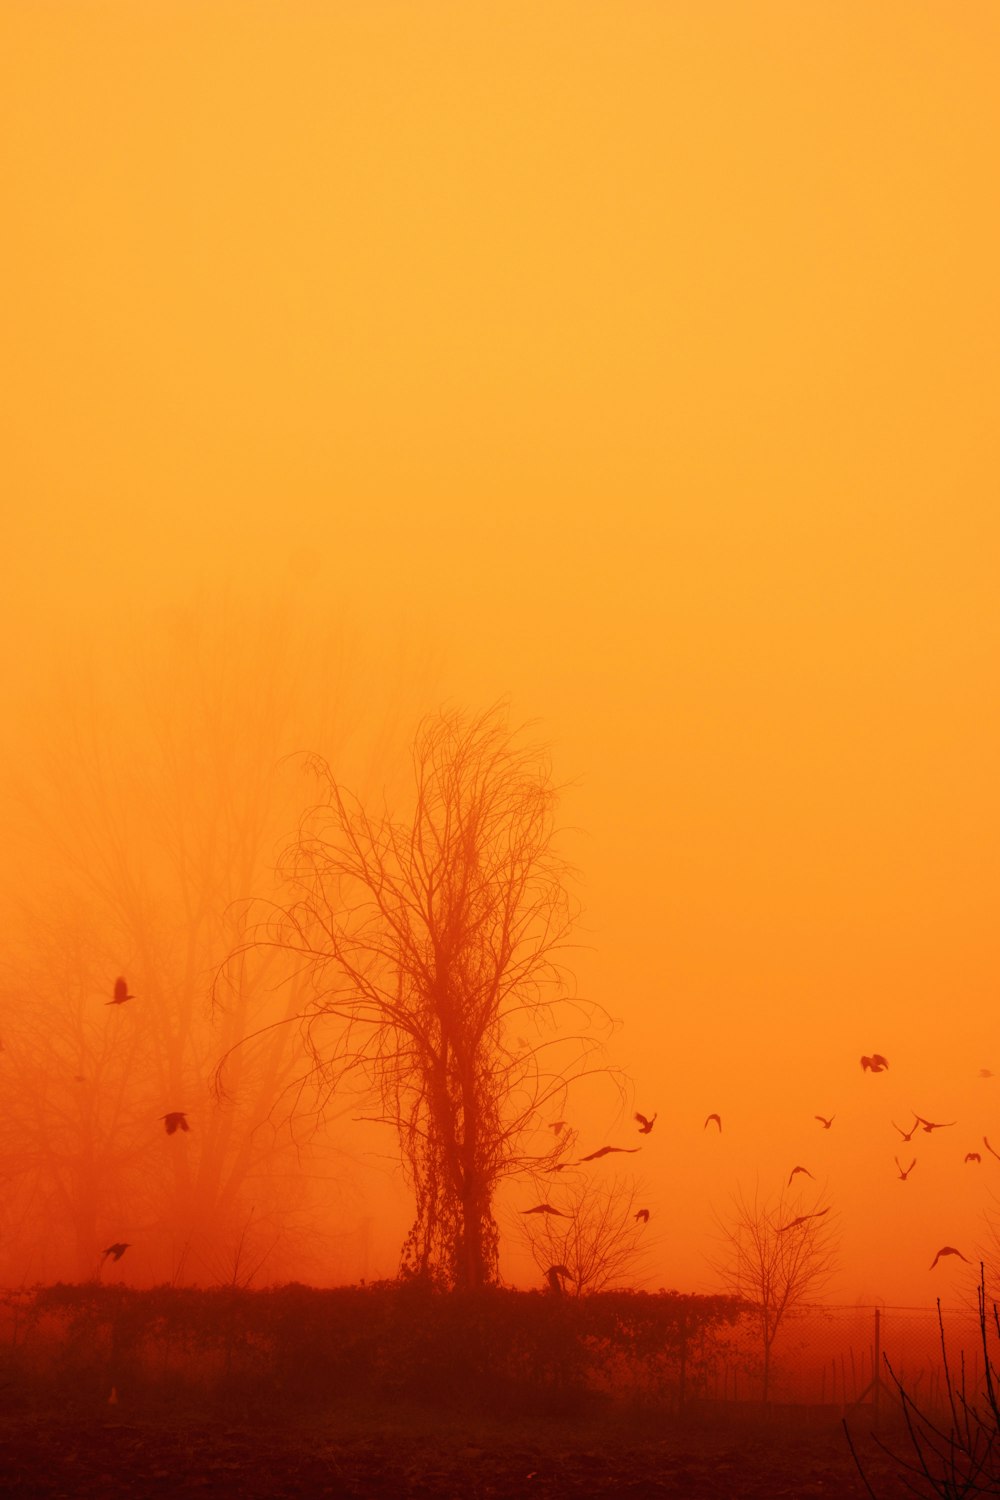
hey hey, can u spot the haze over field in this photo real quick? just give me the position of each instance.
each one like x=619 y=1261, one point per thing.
x=635 y=365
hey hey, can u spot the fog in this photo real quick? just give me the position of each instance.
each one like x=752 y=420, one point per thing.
x=636 y=371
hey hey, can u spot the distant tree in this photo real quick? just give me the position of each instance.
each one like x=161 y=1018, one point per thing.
x=72 y=1083
x=602 y=1242
x=433 y=943
x=775 y=1255
x=150 y=806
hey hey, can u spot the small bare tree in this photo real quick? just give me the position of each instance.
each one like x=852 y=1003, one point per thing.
x=432 y=943
x=774 y=1255
x=602 y=1242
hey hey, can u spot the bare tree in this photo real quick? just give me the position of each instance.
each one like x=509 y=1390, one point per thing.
x=774 y=1255
x=73 y=1086
x=433 y=943
x=602 y=1241
x=150 y=804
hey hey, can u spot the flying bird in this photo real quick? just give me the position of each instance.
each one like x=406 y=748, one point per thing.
x=558 y=1125
x=802 y=1219
x=875 y=1064
x=985 y=1073
x=929 y=1125
x=546 y=1208
x=645 y=1126
x=947 y=1250
x=973 y=1156
x=904 y=1175
x=906 y=1137
x=798 y=1169
x=826 y=1123
x=175 y=1120
x=117 y=1250
x=990 y=1148
x=643 y=1214
x=606 y=1151
x=121 y=993
x=561 y=1166
x=717 y=1119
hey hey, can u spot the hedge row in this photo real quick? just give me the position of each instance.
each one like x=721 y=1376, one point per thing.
x=391 y=1339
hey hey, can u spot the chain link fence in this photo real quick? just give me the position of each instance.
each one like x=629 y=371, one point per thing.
x=834 y=1359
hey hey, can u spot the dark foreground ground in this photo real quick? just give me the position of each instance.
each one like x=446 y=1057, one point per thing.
x=118 y=1451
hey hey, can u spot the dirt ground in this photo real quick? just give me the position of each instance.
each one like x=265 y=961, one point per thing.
x=114 y=1451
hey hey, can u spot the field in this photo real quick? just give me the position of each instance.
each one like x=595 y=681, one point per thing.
x=403 y=1452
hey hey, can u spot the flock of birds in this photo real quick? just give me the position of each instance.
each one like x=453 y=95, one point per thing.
x=556 y=1274
x=173 y=1120
x=176 y=1119
x=878 y=1064
x=875 y=1063
x=645 y=1124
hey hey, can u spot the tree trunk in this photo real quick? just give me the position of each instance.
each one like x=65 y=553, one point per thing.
x=473 y=1270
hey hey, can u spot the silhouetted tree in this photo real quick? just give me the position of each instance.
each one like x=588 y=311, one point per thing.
x=150 y=806
x=602 y=1242
x=433 y=942
x=774 y=1256
x=72 y=1086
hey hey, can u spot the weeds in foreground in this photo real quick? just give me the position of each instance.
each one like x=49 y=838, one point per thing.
x=955 y=1456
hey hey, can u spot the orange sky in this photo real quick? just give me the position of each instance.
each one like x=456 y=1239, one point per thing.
x=638 y=362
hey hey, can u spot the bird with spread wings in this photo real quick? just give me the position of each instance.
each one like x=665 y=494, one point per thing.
x=606 y=1151
x=947 y=1250
x=802 y=1219
x=930 y=1125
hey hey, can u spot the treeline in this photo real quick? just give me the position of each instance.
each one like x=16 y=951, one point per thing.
x=299 y=1346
